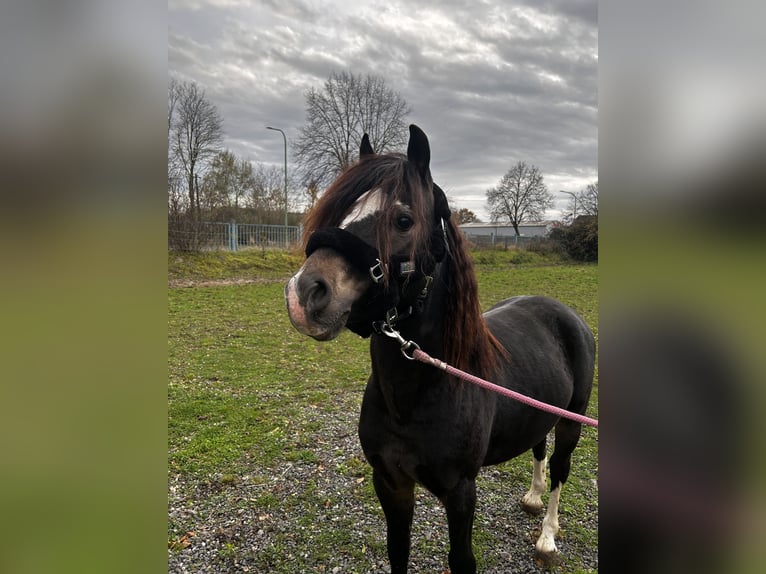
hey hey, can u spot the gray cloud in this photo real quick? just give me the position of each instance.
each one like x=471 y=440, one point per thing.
x=491 y=82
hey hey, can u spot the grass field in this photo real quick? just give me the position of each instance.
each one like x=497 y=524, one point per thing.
x=247 y=394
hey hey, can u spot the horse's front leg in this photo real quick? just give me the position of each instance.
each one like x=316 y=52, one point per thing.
x=460 y=504
x=398 y=503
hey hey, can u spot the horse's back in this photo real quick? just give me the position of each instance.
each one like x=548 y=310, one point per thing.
x=517 y=317
x=550 y=356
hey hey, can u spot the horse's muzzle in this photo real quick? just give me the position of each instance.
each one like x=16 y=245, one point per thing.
x=319 y=297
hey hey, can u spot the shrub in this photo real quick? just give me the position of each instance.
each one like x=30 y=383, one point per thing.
x=545 y=246
x=579 y=240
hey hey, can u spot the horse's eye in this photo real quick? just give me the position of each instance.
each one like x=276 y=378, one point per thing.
x=404 y=222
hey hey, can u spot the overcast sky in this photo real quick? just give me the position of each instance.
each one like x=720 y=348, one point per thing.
x=491 y=82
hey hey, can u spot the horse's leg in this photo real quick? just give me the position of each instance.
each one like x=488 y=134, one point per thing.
x=460 y=504
x=567 y=436
x=398 y=504
x=532 y=503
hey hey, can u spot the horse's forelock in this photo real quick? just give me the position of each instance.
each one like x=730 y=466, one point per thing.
x=398 y=182
x=408 y=188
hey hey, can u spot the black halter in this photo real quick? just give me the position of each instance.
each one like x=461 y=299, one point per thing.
x=407 y=287
x=395 y=300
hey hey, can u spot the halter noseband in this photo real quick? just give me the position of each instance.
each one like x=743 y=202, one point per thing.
x=385 y=301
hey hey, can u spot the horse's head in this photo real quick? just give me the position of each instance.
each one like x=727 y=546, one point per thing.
x=371 y=241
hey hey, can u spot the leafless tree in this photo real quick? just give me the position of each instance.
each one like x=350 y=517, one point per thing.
x=267 y=193
x=520 y=196
x=173 y=93
x=176 y=202
x=196 y=133
x=583 y=202
x=338 y=115
x=587 y=200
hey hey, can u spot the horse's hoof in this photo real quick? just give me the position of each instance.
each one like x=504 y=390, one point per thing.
x=532 y=508
x=547 y=559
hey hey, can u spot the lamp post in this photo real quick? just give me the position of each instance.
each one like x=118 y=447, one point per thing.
x=574 y=213
x=285 y=138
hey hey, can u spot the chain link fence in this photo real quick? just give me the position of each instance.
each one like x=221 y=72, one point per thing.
x=187 y=235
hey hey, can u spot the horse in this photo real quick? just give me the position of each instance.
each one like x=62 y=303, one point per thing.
x=385 y=259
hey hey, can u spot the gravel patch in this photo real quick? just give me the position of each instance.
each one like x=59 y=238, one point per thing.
x=321 y=515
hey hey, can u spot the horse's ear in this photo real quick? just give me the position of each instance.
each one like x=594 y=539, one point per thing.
x=418 y=150
x=365 y=148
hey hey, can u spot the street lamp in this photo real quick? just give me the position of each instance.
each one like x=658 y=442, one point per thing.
x=574 y=213
x=285 y=138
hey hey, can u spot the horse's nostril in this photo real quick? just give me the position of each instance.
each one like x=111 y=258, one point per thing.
x=319 y=289
x=317 y=296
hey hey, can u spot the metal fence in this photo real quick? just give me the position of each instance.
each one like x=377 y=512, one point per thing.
x=506 y=241
x=231 y=236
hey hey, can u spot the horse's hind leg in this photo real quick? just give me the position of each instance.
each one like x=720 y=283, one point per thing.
x=398 y=504
x=567 y=436
x=532 y=502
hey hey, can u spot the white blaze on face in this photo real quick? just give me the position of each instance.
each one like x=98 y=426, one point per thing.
x=368 y=204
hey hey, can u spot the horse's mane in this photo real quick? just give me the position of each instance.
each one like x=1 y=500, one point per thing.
x=470 y=345
x=391 y=173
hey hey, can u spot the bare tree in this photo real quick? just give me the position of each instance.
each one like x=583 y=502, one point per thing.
x=173 y=94
x=583 y=203
x=520 y=196
x=267 y=194
x=175 y=181
x=587 y=200
x=337 y=117
x=196 y=132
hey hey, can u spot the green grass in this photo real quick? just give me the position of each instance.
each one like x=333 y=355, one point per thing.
x=504 y=257
x=245 y=264
x=274 y=264
x=241 y=381
x=235 y=377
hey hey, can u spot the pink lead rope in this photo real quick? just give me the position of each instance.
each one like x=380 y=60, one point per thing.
x=426 y=358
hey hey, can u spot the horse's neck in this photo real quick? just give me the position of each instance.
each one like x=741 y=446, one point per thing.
x=399 y=378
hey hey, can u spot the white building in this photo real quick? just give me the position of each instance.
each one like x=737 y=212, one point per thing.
x=493 y=231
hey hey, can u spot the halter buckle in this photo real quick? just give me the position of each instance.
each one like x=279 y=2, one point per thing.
x=378 y=271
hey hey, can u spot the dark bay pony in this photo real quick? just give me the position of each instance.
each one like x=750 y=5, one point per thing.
x=383 y=255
